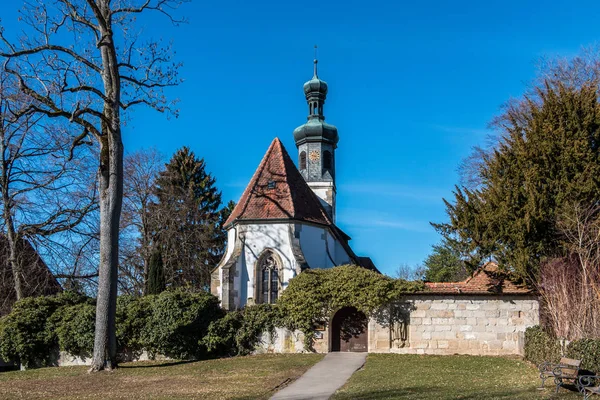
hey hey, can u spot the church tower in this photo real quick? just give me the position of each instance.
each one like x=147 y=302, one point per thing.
x=316 y=141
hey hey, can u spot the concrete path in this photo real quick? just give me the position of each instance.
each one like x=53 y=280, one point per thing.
x=324 y=378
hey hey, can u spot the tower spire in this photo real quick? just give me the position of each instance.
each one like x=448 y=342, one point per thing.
x=316 y=61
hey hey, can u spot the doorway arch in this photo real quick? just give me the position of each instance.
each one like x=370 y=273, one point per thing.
x=349 y=331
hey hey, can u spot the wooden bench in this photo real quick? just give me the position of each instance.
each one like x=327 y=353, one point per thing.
x=566 y=371
x=590 y=385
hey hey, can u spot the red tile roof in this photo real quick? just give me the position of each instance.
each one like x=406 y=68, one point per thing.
x=278 y=191
x=486 y=280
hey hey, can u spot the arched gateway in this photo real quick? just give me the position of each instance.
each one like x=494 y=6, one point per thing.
x=349 y=331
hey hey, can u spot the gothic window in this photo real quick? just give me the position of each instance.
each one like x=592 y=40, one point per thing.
x=327 y=160
x=302 y=160
x=268 y=279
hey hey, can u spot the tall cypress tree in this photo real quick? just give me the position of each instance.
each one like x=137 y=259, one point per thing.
x=156 y=274
x=187 y=220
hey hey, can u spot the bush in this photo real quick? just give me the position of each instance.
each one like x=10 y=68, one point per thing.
x=540 y=346
x=239 y=332
x=221 y=336
x=74 y=328
x=586 y=350
x=132 y=316
x=177 y=323
x=26 y=335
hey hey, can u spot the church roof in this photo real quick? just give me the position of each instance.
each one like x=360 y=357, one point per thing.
x=277 y=191
x=37 y=278
x=488 y=279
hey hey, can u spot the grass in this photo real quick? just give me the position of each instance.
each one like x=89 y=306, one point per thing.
x=252 y=377
x=412 y=377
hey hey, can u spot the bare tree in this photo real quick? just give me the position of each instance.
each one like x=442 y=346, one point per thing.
x=82 y=60
x=570 y=285
x=44 y=190
x=408 y=273
x=141 y=170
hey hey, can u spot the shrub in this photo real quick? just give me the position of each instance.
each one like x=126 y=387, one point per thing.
x=257 y=319
x=221 y=336
x=239 y=332
x=74 y=328
x=26 y=335
x=586 y=350
x=540 y=346
x=132 y=316
x=177 y=323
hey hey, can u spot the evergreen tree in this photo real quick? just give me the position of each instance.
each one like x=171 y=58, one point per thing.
x=187 y=221
x=546 y=159
x=445 y=264
x=156 y=274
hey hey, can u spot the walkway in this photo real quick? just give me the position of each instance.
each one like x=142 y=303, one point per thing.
x=324 y=378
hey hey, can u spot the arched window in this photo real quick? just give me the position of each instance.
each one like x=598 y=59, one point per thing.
x=327 y=160
x=302 y=160
x=316 y=108
x=268 y=279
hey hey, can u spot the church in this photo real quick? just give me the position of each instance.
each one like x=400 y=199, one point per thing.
x=284 y=222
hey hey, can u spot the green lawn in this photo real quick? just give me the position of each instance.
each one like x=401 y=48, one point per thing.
x=252 y=377
x=411 y=377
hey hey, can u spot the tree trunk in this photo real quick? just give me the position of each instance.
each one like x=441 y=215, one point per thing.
x=111 y=201
x=13 y=256
x=10 y=228
x=111 y=194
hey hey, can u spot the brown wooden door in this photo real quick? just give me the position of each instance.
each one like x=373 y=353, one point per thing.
x=349 y=331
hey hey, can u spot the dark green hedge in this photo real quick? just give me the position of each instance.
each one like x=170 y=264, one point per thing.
x=28 y=334
x=586 y=350
x=241 y=331
x=541 y=346
x=172 y=323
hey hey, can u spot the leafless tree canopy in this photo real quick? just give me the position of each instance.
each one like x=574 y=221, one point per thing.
x=88 y=62
x=570 y=286
x=46 y=188
x=141 y=170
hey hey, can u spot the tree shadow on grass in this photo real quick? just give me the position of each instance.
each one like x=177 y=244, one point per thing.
x=420 y=393
x=165 y=364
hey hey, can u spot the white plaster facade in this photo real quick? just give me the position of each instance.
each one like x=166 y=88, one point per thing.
x=295 y=244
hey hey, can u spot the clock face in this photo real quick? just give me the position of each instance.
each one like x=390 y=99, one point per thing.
x=314 y=155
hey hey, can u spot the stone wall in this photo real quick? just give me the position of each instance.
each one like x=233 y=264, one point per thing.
x=460 y=324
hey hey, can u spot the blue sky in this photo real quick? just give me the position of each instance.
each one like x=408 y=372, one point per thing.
x=412 y=87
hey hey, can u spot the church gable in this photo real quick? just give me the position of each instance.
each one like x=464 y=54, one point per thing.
x=277 y=191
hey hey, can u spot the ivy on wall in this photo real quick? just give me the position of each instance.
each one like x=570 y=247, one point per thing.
x=313 y=297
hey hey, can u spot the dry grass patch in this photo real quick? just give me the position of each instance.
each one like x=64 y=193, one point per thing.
x=252 y=377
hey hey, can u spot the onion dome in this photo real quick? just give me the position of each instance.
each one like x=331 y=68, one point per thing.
x=316 y=129
x=315 y=85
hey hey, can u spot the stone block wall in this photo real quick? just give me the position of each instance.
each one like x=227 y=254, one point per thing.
x=460 y=324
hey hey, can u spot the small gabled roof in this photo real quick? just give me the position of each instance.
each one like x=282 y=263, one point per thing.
x=277 y=191
x=488 y=279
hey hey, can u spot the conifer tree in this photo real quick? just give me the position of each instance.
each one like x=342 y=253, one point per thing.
x=156 y=274
x=547 y=157
x=187 y=220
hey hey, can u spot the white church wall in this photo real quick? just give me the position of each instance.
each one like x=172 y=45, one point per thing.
x=258 y=238
x=312 y=243
x=320 y=248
